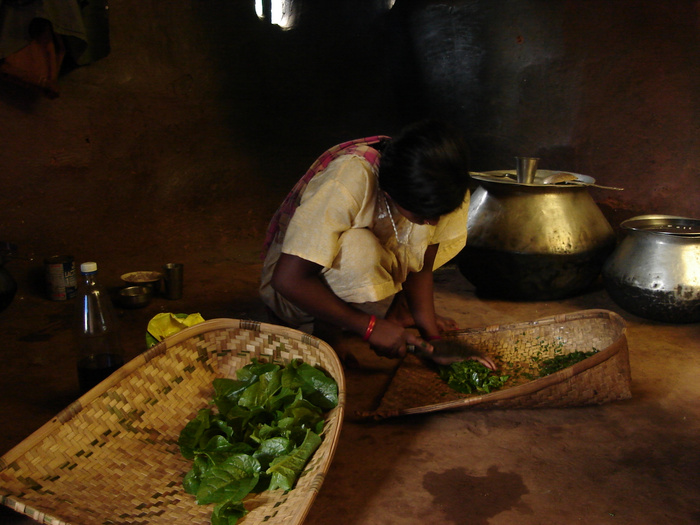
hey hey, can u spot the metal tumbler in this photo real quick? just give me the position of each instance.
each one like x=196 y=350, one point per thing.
x=526 y=169
x=173 y=274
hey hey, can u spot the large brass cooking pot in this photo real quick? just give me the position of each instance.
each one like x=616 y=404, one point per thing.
x=655 y=271
x=534 y=241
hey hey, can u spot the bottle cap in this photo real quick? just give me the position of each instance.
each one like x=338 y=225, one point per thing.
x=88 y=267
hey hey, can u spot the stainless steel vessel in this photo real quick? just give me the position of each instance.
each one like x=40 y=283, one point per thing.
x=655 y=271
x=534 y=241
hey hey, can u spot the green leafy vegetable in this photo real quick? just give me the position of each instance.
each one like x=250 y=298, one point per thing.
x=265 y=427
x=286 y=469
x=314 y=384
x=227 y=513
x=230 y=480
x=560 y=362
x=547 y=358
x=471 y=376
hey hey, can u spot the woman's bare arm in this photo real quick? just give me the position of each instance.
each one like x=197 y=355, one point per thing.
x=298 y=280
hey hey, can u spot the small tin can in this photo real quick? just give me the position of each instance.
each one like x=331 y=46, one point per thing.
x=61 y=281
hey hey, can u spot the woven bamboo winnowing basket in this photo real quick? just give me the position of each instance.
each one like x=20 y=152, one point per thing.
x=417 y=388
x=112 y=456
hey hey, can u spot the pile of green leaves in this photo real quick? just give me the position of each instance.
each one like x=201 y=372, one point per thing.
x=562 y=361
x=265 y=427
x=471 y=376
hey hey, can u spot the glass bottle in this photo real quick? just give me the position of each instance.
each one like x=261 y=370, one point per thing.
x=99 y=347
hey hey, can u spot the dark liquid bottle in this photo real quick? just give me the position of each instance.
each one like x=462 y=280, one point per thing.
x=97 y=335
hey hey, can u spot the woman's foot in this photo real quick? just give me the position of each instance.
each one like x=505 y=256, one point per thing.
x=446 y=324
x=399 y=313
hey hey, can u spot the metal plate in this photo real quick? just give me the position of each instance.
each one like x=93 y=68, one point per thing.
x=510 y=177
x=142 y=277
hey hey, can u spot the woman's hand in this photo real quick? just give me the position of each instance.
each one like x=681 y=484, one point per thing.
x=446 y=324
x=298 y=280
x=485 y=360
x=389 y=339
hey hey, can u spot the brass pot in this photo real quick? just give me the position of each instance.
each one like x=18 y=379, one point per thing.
x=534 y=241
x=655 y=271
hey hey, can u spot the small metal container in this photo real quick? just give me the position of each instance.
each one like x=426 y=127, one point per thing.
x=135 y=296
x=173 y=274
x=144 y=278
x=655 y=271
x=61 y=281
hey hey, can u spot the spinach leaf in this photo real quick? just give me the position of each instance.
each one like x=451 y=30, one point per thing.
x=254 y=370
x=219 y=444
x=286 y=469
x=271 y=449
x=240 y=418
x=301 y=414
x=192 y=434
x=231 y=480
x=227 y=513
x=227 y=392
x=262 y=391
x=267 y=424
x=193 y=478
x=316 y=386
x=263 y=432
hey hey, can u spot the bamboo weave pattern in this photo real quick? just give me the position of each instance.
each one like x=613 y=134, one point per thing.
x=111 y=458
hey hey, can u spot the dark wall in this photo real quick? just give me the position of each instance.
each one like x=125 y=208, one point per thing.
x=607 y=89
x=202 y=116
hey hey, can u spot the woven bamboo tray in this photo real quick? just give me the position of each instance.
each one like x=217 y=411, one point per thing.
x=417 y=388
x=112 y=457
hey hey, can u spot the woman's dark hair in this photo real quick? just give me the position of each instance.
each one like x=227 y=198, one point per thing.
x=425 y=169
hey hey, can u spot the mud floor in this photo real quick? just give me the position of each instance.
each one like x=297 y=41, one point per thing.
x=629 y=462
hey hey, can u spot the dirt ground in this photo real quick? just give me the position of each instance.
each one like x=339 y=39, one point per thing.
x=629 y=462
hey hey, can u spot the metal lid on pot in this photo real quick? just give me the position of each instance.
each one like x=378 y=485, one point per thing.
x=664 y=224
x=542 y=178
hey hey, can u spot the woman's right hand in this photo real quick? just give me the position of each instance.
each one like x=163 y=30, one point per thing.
x=390 y=340
x=298 y=280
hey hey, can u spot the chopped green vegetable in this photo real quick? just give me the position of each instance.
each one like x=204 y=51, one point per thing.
x=265 y=427
x=560 y=362
x=471 y=376
x=537 y=365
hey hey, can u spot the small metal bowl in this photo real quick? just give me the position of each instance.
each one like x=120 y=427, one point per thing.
x=135 y=296
x=148 y=278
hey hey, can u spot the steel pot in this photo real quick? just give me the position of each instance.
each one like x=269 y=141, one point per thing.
x=655 y=271
x=534 y=241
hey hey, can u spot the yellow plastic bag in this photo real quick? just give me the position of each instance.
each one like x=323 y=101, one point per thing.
x=166 y=324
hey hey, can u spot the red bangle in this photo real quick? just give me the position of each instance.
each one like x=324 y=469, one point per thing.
x=370 y=327
x=434 y=338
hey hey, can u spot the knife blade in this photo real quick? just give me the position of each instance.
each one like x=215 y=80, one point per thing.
x=450 y=350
